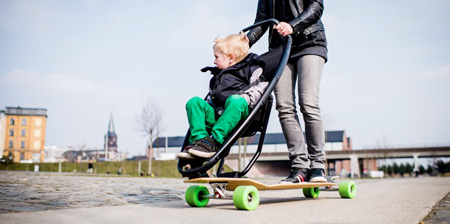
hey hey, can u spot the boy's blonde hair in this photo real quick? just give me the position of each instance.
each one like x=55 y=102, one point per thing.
x=236 y=44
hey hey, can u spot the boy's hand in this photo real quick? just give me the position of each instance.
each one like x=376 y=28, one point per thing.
x=284 y=28
x=213 y=70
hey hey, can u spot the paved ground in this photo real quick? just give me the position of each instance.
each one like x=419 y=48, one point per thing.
x=440 y=212
x=28 y=191
x=66 y=198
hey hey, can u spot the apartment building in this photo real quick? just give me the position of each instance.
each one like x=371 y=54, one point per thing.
x=22 y=133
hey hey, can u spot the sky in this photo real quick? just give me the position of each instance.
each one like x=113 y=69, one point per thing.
x=386 y=82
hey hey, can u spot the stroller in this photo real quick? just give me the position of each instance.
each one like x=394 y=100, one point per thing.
x=256 y=121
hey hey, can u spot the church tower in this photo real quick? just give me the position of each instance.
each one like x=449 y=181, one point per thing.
x=110 y=141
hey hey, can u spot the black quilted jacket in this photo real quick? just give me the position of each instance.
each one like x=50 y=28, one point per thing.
x=230 y=81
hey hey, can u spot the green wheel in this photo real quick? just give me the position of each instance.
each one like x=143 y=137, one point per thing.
x=246 y=198
x=347 y=189
x=311 y=192
x=194 y=196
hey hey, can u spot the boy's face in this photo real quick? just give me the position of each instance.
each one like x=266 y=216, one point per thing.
x=221 y=61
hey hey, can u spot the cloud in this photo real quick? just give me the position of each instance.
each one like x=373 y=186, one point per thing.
x=28 y=17
x=28 y=81
x=82 y=60
x=441 y=72
x=78 y=108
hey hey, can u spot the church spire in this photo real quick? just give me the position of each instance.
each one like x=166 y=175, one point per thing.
x=111 y=125
x=110 y=140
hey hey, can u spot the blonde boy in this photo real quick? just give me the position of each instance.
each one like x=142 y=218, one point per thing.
x=234 y=88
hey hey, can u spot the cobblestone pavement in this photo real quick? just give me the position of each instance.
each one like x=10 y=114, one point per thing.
x=440 y=212
x=28 y=191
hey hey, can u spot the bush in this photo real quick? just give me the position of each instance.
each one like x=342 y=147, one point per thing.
x=160 y=168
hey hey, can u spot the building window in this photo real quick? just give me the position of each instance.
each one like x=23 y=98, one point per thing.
x=22 y=156
x=11 y=132
x=12 y=121
x=24 y=121
x=37 y=122
x=24 y=132
x=10 y=144
x=22 y=144
x=37 y=145
x=37 y=133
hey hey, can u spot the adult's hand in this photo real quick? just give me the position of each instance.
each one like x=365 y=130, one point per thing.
x=284 y=28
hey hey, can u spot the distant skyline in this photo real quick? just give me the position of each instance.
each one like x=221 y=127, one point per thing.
x=385 y=84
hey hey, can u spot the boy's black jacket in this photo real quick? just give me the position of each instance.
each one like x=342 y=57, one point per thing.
x=229 y=81
x=225 y=83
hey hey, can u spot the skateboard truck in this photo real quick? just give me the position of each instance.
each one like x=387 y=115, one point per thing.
x=219 y=190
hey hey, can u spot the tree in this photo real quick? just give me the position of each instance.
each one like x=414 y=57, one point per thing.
x=396 y=168
x=150 y=120
x=421 y=170
x=7 y=160
x=430 y=169
x=442 y=167
x=408 y=169
x=402 y=169
x=390 y=170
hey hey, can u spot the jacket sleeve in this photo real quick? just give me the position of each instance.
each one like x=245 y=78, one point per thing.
x=261 y=14
x=254 y=93
x=310 y=15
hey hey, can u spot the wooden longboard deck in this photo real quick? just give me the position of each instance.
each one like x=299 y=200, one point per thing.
x=233 y=183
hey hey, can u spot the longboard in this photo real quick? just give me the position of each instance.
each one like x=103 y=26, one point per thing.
x=246 y=195
x=233 y=183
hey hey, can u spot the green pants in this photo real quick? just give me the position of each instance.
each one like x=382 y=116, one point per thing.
x=202 y=119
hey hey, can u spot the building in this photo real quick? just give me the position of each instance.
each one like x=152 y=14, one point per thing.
x=54 y=154
x=273 y=142
x=110 y=144
x=337 y=140
x=22 y=133
x=84 y=153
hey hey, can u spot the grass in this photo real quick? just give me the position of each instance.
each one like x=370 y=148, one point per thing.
x=167 y=168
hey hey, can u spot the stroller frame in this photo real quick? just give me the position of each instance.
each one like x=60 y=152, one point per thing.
x=198 y=168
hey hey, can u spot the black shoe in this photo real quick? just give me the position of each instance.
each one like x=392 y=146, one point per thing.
x=205 y=148
x=317 y=175
x=184 y=154
x=297 y=176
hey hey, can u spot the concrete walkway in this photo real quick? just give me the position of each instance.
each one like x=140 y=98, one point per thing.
x=89 y=199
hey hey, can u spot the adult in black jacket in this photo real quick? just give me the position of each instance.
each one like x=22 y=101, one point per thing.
x=301 y=19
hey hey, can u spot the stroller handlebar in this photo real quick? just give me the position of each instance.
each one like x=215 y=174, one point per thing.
x=204 y=166
x=261 y=23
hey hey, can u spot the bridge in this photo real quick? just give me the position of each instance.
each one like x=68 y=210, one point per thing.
x=356 y=160
x=340 y=156
x=387 y=153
